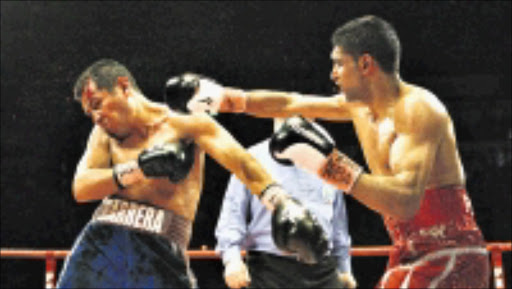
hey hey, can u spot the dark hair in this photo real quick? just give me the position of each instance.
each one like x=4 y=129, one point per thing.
x=104 y=73
x=373 y=35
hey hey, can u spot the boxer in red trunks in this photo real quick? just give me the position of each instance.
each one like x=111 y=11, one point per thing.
x=417 y=180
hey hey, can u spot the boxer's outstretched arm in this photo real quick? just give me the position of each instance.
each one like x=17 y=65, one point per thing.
x=211 y=97
x=261 y=103
x=221 y=146
x=93 y=176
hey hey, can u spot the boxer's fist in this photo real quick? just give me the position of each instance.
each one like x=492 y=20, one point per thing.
x=179 y=90
x=208 y=95
x=236 y=274
x=309 y=146
x=294 y=228
x=301 y=142
x=172 y=160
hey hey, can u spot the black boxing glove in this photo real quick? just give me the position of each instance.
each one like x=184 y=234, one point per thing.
x=300 y=136
x=172 y=160
x=196 y=93
x=180 y=89
x=309 y=146
x=294 y=228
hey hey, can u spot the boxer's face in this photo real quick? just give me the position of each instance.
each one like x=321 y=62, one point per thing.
x=109 y=110
x=345 y=74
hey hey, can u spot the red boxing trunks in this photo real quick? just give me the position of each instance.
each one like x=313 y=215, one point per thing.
x=440 y=247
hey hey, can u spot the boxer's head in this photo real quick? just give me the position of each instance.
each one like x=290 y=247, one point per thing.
x=105 y=74
x=105 y=90
x=360 y=47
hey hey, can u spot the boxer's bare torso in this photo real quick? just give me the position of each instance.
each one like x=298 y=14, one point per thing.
x=386 y=141
x=408 y=141
x=181 y=197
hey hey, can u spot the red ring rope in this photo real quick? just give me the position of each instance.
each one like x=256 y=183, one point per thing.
x=496 y=249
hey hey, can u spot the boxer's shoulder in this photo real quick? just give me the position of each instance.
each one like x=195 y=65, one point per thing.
x=419 y=98
x=99 y=135
x=419 y=109
x=189 y=122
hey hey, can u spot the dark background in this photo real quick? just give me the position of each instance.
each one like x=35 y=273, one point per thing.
x=459 y=50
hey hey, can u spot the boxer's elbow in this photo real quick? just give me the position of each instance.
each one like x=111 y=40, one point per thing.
x=92 y=184
x=78 y=192
x=408 y=205
x=409 y=194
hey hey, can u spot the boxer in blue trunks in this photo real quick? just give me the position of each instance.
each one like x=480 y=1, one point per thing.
x=145 y=161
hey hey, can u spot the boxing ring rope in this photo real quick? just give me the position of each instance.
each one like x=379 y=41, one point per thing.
x=496 y=250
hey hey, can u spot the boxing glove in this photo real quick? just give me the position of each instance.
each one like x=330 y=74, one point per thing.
x=172 y=160
x=309 y=146
x=211 y=97
x=294 y=228
x=179 y=90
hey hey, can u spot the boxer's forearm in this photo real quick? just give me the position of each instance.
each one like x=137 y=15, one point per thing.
x=253 y=175
x=271 y=104
x=244 y=166
x=395 y=196
x=219 y=144
x=261 y=103
x=93 y=184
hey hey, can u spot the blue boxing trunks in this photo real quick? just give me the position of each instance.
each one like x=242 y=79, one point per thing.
x=128 y=244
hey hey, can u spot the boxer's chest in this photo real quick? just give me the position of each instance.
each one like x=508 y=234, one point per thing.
x=130 y=150
x=180 y=197
x=378 y=139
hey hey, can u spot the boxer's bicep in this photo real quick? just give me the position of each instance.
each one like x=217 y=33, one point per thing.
x=412 y=161
x=413 y=154
x=400 y=193
x=422 y=124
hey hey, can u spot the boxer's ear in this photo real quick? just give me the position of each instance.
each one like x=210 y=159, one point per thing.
x=366 y=64
x=124 y=83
